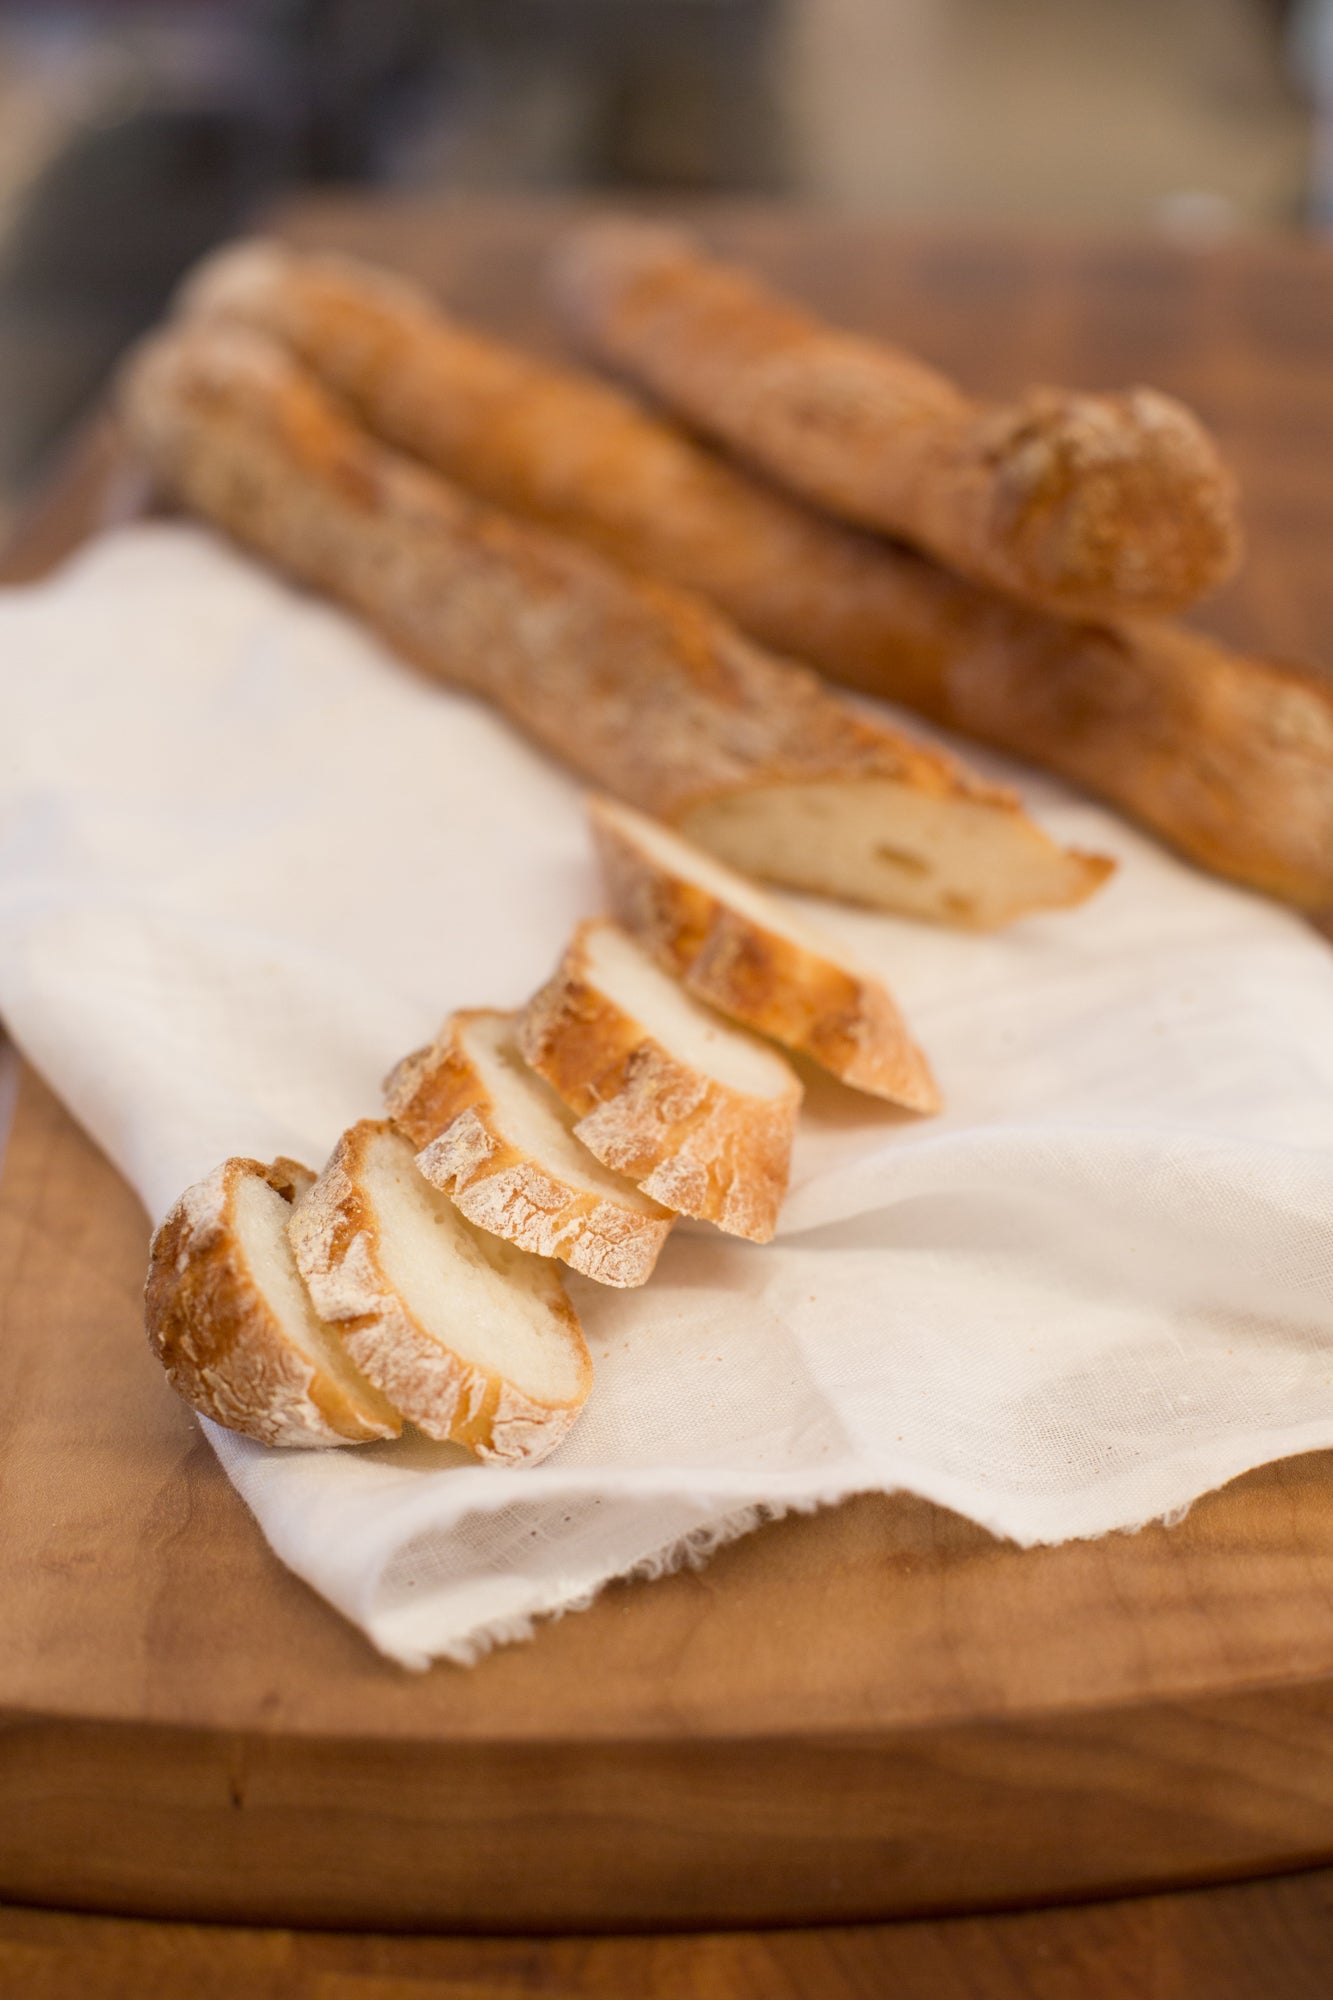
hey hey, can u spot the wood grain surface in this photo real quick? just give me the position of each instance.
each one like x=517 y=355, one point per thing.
x=1268 y=1940
x=876 y=1710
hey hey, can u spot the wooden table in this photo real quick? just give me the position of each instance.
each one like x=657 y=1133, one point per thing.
x=879 y=1711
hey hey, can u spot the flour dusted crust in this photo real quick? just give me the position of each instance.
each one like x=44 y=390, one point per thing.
x=561 y=446
x=441 y=1100
x=1230 y=759
x=1094 y=506
x=750 y=970
x=224 y=1348
x=338 y=1243
x=689 y=1141
x=639 y=687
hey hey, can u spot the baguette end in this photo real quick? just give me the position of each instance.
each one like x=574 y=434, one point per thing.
x=222 y=1340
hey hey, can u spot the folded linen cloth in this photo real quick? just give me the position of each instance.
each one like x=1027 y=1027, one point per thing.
x=247 y=860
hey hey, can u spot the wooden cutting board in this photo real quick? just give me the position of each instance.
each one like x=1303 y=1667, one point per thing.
x=873 y=1711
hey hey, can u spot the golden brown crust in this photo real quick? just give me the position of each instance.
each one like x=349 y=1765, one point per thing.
x=1218 y=754
x=627 y=677
x=640 y=688
x=554 y=444
x=564 y=448
x=689 y=1142
x=844 y=1020
x=336 y=1238
x=1096 y=506
x=224 y=1349
x=1226 y=756
x=439 y=1100
x=1230 y=758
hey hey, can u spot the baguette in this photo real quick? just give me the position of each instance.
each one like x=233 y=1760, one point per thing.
x=735 y=948
x=1095 y=506
x=641 y=689
x=1229 y=759
x=555 y=444
x=475 y=1342
x=501 y=1143
x=230 y=1321
x=699 y=1114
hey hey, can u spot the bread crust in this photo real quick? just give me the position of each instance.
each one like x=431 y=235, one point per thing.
x=336 y=1239
x=688 y=1141
x=846 y=1021
x=1229 y=759
x=439 y=1100
x=558 y=445
x=637 y=686
x=1094 y=506
x=223 y=1348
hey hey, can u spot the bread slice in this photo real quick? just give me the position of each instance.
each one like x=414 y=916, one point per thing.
x=737 y=948
x=473 y=1340
x=231 y=1322
x=500 y=1141
x=701 y=1115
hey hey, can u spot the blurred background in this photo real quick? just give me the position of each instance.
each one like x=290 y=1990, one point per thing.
x=135 y=133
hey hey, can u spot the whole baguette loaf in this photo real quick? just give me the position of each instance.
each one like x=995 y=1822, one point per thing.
x=231 y=1322
x=557 y=445
x=1228 y=758
x=1097 y=506
x=637 y=686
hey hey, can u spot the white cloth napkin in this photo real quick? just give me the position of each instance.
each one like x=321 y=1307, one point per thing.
x=247 y=860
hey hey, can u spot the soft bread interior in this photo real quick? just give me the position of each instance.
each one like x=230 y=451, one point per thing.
x=616 y=967
x=878 y=842
x=671 y=853
x=527 y=1112
x=260 y=1218
x=496 y=1307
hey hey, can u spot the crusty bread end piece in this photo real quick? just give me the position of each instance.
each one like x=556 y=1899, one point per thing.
x=229 y=1318
x=475 y=1341
x=497 y=1139
x=735 y=947
x=701 y=1115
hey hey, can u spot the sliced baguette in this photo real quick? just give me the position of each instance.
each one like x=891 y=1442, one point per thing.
x=231 y=1322
x=699 y=1114
x=737 y=948
x=643 y=690
x=497 y=1139
x=473 y=1340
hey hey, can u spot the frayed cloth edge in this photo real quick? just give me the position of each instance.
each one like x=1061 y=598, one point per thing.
x=692 y=1550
